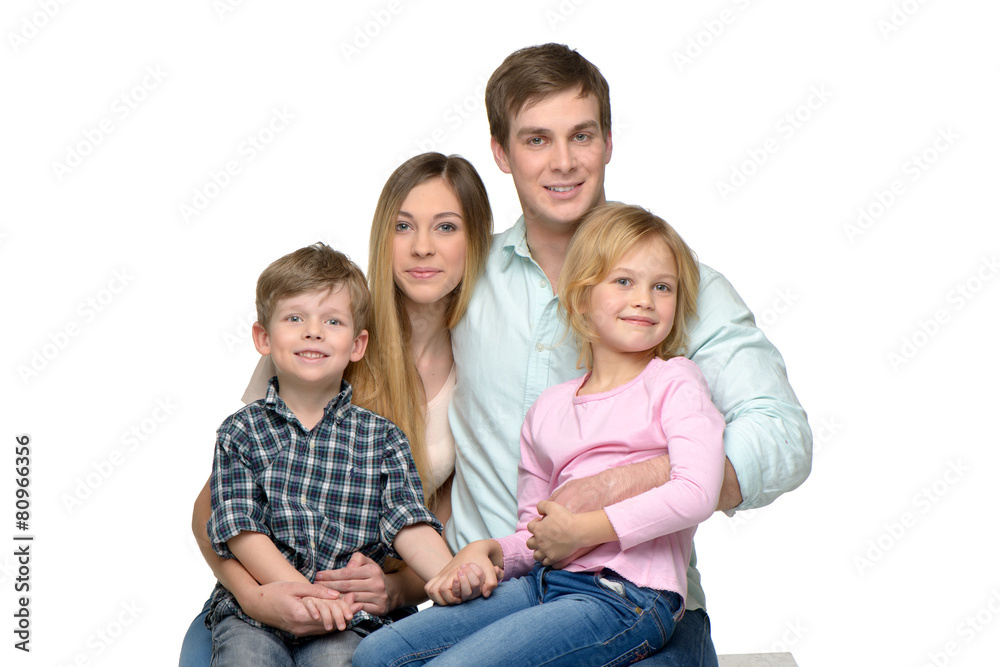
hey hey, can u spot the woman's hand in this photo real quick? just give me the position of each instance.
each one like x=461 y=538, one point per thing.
x=363 y=577
x=281 y=605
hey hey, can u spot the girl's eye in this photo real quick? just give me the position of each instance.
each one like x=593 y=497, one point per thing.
x=663 y=287
x=624 y=282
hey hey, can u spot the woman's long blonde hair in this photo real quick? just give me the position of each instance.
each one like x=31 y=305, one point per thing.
x=386 y=380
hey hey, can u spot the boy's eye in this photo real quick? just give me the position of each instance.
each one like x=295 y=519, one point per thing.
x=294 y=318
x=333 y=322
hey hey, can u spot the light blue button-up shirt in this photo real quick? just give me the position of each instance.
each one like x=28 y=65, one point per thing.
x=512 y=345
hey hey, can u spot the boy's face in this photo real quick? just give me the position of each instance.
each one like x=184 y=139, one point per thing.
x=557 y=156
x=311 y=338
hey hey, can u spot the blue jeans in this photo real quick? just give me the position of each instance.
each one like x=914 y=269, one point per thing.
x=196 y=651
x=548 y=617
x=236 y=643
x=690 y=645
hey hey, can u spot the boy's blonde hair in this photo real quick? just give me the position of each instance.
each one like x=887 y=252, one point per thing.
x=315 y=267
x=605 y=235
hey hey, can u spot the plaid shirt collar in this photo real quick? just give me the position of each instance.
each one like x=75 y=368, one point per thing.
x=336 y=409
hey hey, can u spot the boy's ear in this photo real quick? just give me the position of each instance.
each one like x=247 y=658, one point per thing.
x=360 y=345
x=261 y=339
x=500 y=155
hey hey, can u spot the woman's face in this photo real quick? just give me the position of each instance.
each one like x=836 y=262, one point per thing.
x=429 y=243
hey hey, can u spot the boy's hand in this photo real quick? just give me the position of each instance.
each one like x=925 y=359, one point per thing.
x=363 y=577
x=280 y=605
x=332 y=613
x=459 y=581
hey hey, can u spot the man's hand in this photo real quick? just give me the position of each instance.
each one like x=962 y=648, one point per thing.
x=613 y=485
x=731 y=495
x=280 y=604
x=364 y=578
x=332 y=613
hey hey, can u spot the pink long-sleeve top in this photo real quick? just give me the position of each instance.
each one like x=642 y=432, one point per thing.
x=665 y=409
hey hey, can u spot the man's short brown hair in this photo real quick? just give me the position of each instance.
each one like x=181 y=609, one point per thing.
x=535 y=72
x=314 y=268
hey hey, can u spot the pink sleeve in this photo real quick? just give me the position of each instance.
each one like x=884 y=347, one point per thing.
x=693 y=429
x=533 y=485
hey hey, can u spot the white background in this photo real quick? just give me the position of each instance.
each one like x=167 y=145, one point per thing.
x=116 y=304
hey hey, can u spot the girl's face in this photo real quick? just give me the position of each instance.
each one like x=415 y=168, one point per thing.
x=632 y=308
x=429 y=245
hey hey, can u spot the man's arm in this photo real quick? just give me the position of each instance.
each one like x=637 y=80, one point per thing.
x=767 y=438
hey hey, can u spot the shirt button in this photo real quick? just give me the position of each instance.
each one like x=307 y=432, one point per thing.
x=313 y=545
x=303 y=499
x=539 y=347
x=311 y=444
x=543 y=283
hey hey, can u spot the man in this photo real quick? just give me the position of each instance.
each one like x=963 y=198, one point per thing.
x=550 y=123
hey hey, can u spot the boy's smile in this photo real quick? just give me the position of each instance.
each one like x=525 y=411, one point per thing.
x=311 y=339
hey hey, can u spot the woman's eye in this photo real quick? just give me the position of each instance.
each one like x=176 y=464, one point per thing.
x=402 y=226
x=447 y=227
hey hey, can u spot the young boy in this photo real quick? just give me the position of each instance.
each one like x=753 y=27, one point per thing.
x=302 y=479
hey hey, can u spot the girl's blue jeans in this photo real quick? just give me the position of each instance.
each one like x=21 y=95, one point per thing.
x=548 y=617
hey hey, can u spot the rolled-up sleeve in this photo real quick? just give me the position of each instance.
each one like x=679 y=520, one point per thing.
x=402 y=494
x=767 y=437
x=235 y=504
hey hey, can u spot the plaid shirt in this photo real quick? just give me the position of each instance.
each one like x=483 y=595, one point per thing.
x=347 y=485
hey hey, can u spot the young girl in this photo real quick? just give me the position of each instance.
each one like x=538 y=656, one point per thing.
x=629 y=289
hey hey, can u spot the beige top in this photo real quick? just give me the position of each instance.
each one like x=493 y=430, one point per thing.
x=440 y=443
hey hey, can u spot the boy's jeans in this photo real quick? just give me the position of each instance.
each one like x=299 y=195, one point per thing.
x=243 y=645
x=586 y=618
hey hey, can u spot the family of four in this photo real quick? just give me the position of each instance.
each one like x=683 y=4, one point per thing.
x=446 y=392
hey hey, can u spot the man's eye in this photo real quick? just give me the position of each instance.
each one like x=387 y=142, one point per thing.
x=535 y=141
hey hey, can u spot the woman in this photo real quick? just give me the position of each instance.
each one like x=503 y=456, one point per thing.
x=428 y=245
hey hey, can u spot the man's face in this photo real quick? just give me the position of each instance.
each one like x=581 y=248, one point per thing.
x=557 y=156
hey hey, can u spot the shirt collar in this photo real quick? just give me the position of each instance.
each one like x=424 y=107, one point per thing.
x=336 y=409
x=515 y=241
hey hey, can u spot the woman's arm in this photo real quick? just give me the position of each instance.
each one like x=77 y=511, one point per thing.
x=277 y=604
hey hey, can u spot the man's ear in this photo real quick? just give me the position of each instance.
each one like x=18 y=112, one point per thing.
x=607 y=148
x=261 y=339
x=500 y=155
x=360 y=345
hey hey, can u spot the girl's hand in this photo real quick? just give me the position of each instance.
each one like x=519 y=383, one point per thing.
x=470 y=573
x=559 y=536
